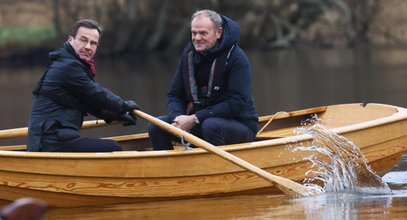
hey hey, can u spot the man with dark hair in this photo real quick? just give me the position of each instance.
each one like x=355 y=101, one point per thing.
x=210 y=93
x=67 y=91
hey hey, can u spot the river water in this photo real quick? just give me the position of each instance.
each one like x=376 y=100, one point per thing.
x=283 y=80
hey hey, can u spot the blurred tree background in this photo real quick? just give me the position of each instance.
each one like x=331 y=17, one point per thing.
x=136 y=26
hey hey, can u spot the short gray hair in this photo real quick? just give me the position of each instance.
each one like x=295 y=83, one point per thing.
x=215 y=17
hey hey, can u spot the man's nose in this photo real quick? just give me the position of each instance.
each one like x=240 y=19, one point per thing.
x=87 y=45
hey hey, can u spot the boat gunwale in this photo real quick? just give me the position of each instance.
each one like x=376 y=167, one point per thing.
x=400 y=114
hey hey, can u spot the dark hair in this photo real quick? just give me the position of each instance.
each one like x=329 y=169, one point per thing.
x=87 y=23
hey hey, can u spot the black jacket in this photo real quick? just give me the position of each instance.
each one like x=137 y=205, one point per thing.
x=66 y=92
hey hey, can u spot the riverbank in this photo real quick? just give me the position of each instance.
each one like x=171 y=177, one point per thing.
x=139 y=26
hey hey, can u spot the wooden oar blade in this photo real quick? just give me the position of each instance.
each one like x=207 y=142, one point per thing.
x=292 y=188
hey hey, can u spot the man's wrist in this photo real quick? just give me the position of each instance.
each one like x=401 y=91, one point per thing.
x=196 y=119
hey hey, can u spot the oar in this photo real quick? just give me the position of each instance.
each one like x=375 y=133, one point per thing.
x=22 y=132
x=286 y=185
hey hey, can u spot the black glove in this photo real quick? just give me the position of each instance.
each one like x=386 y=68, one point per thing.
x=107 y=116
x=128 y=119
x=130 y=105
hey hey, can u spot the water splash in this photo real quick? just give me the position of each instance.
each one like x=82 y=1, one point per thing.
x=337 y=164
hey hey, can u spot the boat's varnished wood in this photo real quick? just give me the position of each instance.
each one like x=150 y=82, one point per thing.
x=61 y=200
x=129 y=176
x=69 y=199
x=276 y=133
x=126 y=141
x=165 y=187
x=241 y=150
x=14 y=148
x=350 y=114
x=22 y=132
x=303 y=112
x=171 y=186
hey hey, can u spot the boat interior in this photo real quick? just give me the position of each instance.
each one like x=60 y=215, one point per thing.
x=279 y=125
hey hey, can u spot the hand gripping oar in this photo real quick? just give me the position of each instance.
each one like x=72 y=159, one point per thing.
x=286 y=185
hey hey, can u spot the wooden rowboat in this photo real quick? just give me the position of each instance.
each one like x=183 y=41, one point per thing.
x=139 y=174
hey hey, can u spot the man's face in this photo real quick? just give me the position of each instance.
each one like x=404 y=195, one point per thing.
x=85 y=43
x=204 y=33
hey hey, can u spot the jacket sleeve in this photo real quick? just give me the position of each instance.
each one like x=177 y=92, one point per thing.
x=77 y=82
x=238 y=92
x=176 y=97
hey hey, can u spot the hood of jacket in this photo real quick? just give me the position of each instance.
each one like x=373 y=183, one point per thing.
x=230 y=36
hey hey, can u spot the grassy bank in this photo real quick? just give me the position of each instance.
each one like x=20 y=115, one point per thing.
x=25 y=36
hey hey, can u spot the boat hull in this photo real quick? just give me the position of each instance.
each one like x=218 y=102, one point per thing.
x=72 y=179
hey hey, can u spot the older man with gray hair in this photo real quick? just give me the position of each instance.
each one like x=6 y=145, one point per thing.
x=210 y=93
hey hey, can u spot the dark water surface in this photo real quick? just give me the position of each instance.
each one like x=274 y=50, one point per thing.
x=282 y=81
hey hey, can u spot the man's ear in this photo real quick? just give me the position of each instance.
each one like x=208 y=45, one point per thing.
x=70 y=38
x=219 y=32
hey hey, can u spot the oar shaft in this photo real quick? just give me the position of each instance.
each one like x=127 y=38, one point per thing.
x=22 y=132
x=280 y=182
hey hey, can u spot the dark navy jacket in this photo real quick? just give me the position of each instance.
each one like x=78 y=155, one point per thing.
x=231 y=92
x=54 y=120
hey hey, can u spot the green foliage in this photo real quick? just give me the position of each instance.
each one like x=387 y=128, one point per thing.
x=25 y=35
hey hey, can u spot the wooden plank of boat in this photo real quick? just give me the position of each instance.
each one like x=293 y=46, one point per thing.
x=283 y=114
x=78 y=179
